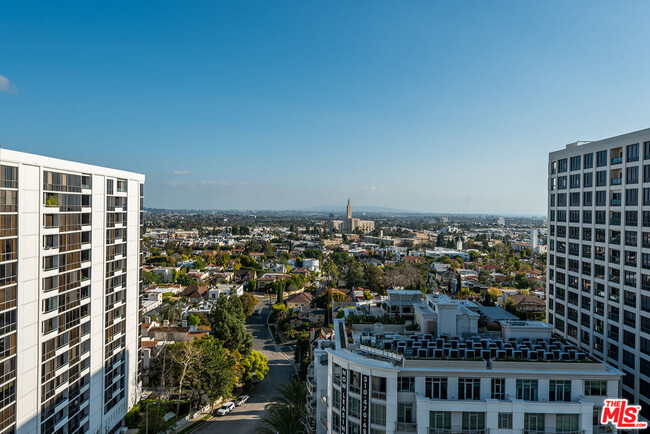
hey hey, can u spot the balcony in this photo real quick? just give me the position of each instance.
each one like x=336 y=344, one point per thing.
x=616 y=181
x=406 y=427
x=617 y=160
x=615 y=221
x=615 y=202
x=615 y=240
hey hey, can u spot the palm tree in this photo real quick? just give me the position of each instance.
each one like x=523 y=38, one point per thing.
x=281 y=420
x=171 y=310
x=287 y=411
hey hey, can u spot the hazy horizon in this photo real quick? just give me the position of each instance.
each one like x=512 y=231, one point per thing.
x=436 y=107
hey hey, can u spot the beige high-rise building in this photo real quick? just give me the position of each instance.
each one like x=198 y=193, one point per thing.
x=350 y=224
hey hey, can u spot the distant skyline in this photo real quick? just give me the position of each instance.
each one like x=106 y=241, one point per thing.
x=429 y=106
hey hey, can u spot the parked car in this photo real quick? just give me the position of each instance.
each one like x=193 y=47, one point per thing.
x=241 y=400
x=257 y=312
x=226 y=408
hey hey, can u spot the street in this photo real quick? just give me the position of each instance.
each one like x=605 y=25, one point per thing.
x=246 y=418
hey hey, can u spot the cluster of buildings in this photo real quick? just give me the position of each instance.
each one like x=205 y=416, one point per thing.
x=350 y=224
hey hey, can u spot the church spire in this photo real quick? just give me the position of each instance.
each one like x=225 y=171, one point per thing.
x=349 y=209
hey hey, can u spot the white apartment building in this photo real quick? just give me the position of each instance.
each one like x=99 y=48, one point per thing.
x=378 y=379
x=70 y=298
x=599 y=254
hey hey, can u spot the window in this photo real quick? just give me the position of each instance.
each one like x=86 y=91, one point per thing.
x=589 y=161
x=595 y=387
x=559 y=390
x=404 y=413
x=378 y=414
x=562 y=165
x=440 y=420
x=632 y=175
x=601 y=198
x=354 y=406
x=336 y=398
x=575 y=162
x=561 y=183
x=527 y=390
x=601 y=178
x=601 y=159
x=588 y=179
x=469 y=388
x=473 y=420
x=574 y=181
x=534 y=421
x=406 y=384
x=353 y=428
x=498 y=388
x=435 y=388
x=633 y=152
x=631 y=238
x=566 y=422
x=631 y=197
x=505 y=420
x=378 y=387
x=355 y=382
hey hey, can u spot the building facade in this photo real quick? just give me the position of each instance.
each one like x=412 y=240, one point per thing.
x=350 y=224
x=378 y=379
x=599 y=254
x=71 y=279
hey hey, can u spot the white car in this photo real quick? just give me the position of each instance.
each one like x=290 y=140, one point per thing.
x=226 y=408
x=241 y=400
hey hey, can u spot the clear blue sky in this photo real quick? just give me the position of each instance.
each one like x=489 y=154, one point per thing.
x=434 y=106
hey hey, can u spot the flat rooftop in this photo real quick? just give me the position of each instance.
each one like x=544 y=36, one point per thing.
x=427 y=346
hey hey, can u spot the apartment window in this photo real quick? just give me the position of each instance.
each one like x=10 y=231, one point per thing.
x=586 y=234
x=586 y=216
x=378 y=414
x=355 y=382
x=631 y=238
x=498 y=388
x=552 y=200
x=575 y=163
x=336 y=398
x=628 y=359
x=629 y=319
x=505 y=420
x=440 y=420
x=630 y=278
x=600 y=217
x=631 y=197
x=469 y=388
x=574 y=199
x=601 y=198
x=589 y=161
x=404 y=413
x=561 y=199
x=588 y=179
x=601 y=178
x=378 y=387
x=473 y=420
x=353 y=428
x=354 y=406
x=559 y=390
x=406 y=384
x=574 y=181
x=612 y=350
x=646 y=173
x=631 y=218
x=595 y=387
x=566 y=423
x=632 y=175
x=633 y=152
x=562 y=165
x=587 y=198
x=630 y=258
x=435 y=388
x=561 y=183
x=646 y=219
x=534 y=422
x=601 y=158
x=527 y=390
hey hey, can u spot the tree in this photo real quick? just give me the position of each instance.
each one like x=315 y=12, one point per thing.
x=228 y=324
x=150 y=277
x=193 y=320
x=354 y=277
x=282 y=420
x=280 y=292
x=171 y=310
x=185 y=280
x=372 y=276
x=249 y=301
x=216 y=373
x=254 y=366
x=183 y=356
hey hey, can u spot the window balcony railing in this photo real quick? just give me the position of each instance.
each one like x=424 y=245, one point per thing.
x=617 y=160
x=615 y=240
x=406 y=426
x=616 y=181
x=615 y=202
x=615 y=221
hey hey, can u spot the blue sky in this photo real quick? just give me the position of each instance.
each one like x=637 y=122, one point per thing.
x=434 y=106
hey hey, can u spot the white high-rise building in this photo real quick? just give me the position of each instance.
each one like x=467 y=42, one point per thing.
x=533 y=239
x=448 y=377
x=70 y=279
x=599 y=254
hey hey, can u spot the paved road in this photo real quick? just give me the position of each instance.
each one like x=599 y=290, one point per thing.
x=246 y=418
